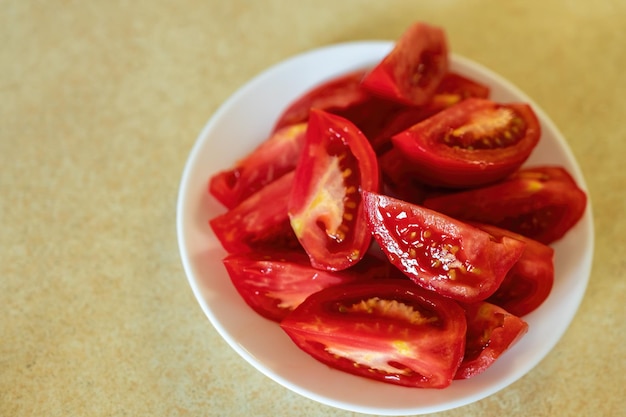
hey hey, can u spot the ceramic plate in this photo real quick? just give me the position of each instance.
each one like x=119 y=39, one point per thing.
x=245 y=120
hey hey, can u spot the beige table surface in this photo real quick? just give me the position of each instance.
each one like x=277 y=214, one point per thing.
x=100 y=104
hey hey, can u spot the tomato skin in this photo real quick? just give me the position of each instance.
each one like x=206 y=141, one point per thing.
x=324 y=205
x=400 y=179
x=411 y=72
x=453 y=89
x=259 y=221
x=472 y=143
x=528 y=284
x=333 y=96
x=270 y=160
x=274 y=283
x=491 y=330
x=391 y=331
x=439 y=253
x=541 y=203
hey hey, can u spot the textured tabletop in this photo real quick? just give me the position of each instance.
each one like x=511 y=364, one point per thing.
x=100 y=105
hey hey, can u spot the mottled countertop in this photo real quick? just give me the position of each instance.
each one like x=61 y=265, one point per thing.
x=100 y=105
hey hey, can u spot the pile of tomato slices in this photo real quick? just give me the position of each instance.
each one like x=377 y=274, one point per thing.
x=388 y=223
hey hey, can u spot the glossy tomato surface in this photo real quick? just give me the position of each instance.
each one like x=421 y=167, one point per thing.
x=541 y=203
x=260 y=221
x=392 y=331
x=472 y=143
x=440 y=253
x=273 y=283
x=411 y=72
x=325 y=207
x=453 y=89
x=334 y=95
x=270 y=160
x=491 y=331
x=528 y=284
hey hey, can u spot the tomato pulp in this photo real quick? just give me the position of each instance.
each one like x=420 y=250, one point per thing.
x=325 y=208
x=392 y=331
x=472 y=143
x=439 y=253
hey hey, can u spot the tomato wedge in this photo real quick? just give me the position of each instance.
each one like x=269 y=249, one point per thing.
x=269 y=161
x=259 y=221
x=325 y=207
x=400 y=180
x=274 y=283
x=472 y=143
x=391 y=331
x=453 y=89
x=491 y=330
x=332 y=96
x=541 y=203
x=528 y=284
x=439 y=253
x=413 y=69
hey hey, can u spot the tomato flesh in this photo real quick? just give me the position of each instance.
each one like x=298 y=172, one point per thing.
x=324 y=206
x=332 y=96
x=528 y=284
x=439 y=253
x=452 y=89
x=491 y=330
x=472 y=143
x=392 y=331
x=541 y=203
x=274 y=283
x=411 y=72
x=270 y=160
x=260 y=221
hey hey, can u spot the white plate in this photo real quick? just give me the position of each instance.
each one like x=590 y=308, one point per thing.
x=245 y=120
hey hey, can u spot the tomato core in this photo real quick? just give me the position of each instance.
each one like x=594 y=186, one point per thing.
x=494 y=128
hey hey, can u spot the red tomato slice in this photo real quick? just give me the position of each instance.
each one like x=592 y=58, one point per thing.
x=491 y=330
x=453 y=89
x=325 y=203
x=528 y=284
x=440 y=253
x=540 y=203
x=411 y=72
x=332 y=96
x=392 y=331
x=275 y=283
x=269 y=161
x=472 y=143
x=259 y=221
x=399 y=177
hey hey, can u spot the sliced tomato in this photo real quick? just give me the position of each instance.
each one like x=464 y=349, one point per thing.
x=491 y=330
x=440 y=253
x=399 y=178
x=528 y=284
x=472 y=143
x=413 y=69
x=325 y=203
x=392 y=331
x=453 y=89
x=333 y=95
x=274 y=283
x=270 y=160
x=259 y=221
x=541 y=203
